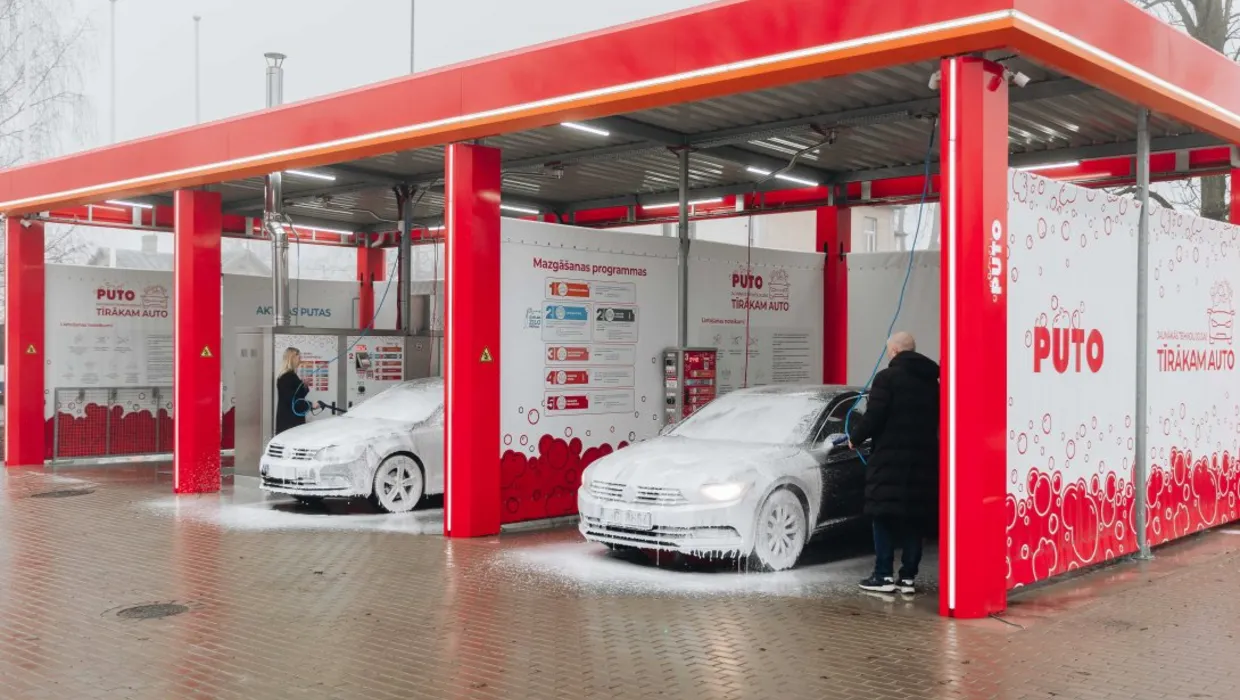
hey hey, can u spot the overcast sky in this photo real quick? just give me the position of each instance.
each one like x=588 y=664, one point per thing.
x=332 y=45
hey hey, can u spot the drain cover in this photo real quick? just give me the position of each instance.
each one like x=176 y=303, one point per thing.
x=151 y=612
x=62 y=493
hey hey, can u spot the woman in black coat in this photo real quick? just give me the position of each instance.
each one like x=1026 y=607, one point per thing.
x=902 y=474
x=291 y=405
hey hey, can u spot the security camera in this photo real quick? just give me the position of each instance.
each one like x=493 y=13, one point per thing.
x=936 y=78
x=1018 y=79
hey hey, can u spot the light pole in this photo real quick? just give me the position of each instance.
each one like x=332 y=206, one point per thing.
x=197 y=76
x=112 y=77
x=413 y=23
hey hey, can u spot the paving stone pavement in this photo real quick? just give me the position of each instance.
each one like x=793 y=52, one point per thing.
x=289 y=603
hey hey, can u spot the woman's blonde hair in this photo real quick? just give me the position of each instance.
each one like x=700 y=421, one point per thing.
x=292 y=358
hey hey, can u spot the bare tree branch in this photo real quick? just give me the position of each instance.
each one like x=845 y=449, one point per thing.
x=41 y=100
x=1216 y=24
x=1132 y=189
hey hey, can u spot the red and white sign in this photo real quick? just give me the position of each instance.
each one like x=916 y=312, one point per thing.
x=1071 y=377
x=1194 y=387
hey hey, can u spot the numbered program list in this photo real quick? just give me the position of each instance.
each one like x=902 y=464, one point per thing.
x=590 y=328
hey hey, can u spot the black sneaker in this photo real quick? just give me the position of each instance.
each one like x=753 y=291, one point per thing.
x=906 y=586
x=878 y=585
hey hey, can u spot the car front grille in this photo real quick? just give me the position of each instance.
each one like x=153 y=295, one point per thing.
x=660 y=537
x=290 y=483
x=278 y=451
x=645 y=495
x=607 y=490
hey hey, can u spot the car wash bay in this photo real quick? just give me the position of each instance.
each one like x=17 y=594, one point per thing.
x=739 y=116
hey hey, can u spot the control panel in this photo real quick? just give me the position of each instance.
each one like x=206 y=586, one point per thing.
x=689 y=381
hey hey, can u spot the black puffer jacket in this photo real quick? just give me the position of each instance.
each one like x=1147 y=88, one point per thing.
x=902 y=418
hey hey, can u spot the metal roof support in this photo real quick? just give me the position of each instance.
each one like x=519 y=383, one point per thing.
x=1140 y=467
x=682 y=259
x=405 y=261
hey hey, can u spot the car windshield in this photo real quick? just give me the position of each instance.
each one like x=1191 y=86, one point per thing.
x=781 y=419
x=412 y=401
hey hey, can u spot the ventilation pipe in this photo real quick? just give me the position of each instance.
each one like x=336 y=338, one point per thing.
x=274 y=221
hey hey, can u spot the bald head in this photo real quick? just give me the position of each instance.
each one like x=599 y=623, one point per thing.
x=900 y=342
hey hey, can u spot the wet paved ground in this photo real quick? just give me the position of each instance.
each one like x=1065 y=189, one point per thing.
x=286 y=602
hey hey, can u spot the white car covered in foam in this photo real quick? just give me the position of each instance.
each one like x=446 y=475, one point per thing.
x=754 y=473
x=388 y=449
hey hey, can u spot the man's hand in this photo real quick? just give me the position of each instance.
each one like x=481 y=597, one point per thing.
x=850 y=445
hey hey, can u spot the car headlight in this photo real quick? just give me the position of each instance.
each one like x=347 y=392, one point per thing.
x=339 y=453
x=724 y=492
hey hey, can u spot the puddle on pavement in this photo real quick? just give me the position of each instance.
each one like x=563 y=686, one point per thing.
x=247 y=508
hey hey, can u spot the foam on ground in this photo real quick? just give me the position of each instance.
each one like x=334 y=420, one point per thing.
x=590 y=567
x=248 y=509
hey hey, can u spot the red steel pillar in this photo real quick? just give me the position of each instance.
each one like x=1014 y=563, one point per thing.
x=25 y=435
x=834 y=238
x=370 y=269
x=196 y=342
x=471 y=337
x=974 y=162
x=1233 y=214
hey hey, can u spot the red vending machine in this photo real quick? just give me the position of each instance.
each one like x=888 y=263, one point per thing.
x=689 y=380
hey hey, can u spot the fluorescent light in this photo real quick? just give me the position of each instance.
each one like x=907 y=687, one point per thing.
x=323 y=230
x=785 y=178
x=1053 y=166
x=435 y=228
x=135 y=205
x=715 y=200
x=586 y=128
x=307 y=173
x=518 y=210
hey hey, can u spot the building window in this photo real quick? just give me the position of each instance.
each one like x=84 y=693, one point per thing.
x=871 y=234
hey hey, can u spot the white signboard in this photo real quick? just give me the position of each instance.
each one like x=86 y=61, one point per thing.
x=585 y=316
x=108 y=328
x=113 y=328
x=766 y=301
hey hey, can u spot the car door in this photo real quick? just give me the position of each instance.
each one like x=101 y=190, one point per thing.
x=429 y=442
x=843 y=472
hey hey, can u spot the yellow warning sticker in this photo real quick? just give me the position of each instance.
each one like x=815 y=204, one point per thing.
x=486 y=355
x=30 y=350
x=206 y=351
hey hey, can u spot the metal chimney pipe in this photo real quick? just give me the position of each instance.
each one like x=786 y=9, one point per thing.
x=273 y=207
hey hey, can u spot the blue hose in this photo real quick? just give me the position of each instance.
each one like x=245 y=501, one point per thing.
x=921 y=208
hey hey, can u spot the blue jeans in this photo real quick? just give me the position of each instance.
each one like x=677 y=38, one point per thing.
x=889 y=533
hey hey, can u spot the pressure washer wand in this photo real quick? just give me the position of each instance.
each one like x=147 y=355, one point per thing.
x=332 y=407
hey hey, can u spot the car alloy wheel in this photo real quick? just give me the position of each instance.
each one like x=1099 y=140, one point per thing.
x=781 y=532
x=398 y=484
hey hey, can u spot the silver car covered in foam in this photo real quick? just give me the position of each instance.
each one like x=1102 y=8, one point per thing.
x=753 y=473
x=388 y=449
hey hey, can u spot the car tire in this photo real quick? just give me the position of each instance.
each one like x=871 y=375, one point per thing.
x=399 y=484
x=780 y=532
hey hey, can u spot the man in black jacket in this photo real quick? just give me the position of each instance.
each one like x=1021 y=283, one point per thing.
x=901 y=476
